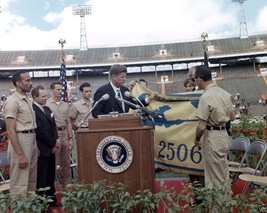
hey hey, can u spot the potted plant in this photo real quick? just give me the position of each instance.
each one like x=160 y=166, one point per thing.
x=252 y=127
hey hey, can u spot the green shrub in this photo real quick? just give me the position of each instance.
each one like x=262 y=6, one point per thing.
x=24 y=203
x=100 y=197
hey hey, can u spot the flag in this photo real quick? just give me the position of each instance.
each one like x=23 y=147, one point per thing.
x=63 y=81
x=206 y=58
x=174 y=130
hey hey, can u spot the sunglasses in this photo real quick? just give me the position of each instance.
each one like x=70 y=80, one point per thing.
x=193 y=79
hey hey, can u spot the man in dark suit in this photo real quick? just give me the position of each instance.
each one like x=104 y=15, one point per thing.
x=46 y=137
x=114 y=89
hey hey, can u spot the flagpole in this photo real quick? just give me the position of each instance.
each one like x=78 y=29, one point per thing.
x=63 y=75
x=205 y=36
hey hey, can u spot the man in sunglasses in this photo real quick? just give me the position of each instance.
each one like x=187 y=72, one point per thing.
x=215 y=109
x=190 y=76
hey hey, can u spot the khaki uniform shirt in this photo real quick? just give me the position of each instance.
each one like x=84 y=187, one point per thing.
x=19 y=107
x=78 y=111
x=215 y=106
x=60 y=110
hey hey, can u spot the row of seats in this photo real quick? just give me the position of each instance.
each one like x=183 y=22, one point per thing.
x=4 y=183
x=145 y=52
x=252 y=162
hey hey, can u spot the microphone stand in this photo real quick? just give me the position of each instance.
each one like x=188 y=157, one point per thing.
x=138 y=100
x=146 y=112
x=96 y=103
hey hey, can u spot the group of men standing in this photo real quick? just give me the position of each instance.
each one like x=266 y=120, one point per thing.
x=40 y=134
x=50 y=122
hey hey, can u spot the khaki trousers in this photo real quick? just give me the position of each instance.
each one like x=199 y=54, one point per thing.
x=216 y=171
x=63 y=158
x=23 y=180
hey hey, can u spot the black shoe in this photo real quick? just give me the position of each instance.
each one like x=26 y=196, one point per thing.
x=55 y=204
x=46 y=211
x=198 y=201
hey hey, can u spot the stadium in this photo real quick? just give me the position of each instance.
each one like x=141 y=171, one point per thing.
x=239 y=65
x=157 y=145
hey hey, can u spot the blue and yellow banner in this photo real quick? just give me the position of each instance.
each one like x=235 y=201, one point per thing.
x=174 y=130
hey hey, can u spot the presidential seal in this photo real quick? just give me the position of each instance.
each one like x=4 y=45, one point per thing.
x=114 y=154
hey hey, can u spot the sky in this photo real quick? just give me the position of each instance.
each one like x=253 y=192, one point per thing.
x=38 y=25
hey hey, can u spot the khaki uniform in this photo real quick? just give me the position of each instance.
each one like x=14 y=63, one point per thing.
x=61 y=114
x=79 y=111
x=19 y=107
x=215 y=107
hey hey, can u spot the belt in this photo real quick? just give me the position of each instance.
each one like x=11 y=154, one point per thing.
x=61 y=128
x=27 y=131
x=215 y=128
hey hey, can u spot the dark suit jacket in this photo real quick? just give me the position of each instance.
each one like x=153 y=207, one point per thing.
x=112 y=104
x=46 y=131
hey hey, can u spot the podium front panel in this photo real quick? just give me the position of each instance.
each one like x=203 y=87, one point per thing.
x=139 y=175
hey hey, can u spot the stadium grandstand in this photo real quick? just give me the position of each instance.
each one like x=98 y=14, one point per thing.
x=239 y=65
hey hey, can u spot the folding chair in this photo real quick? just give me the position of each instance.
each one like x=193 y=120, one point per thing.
x=255 y=179
x=4 y=184
x=73 y=166
x=239 y=144
x=253 y=158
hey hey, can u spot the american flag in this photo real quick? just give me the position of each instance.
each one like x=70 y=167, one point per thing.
x=63 y=80
x=206 y=58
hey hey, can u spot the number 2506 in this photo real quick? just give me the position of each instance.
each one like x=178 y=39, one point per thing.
x=181 y=153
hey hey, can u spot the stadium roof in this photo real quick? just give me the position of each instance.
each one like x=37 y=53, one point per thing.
x=219 y=50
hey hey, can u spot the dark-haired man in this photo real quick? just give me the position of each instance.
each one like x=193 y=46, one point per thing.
x=21 y=124
x=80 y=109
x=46 y=137
x=215 y=109
x=60 y=110
x=115 y=88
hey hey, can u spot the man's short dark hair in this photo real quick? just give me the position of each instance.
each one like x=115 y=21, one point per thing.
x=86 y=84
x=52 y=86
x=143 y=80
x=203 y=72
x=35 y=91
x=17 y=76
x=117 y=69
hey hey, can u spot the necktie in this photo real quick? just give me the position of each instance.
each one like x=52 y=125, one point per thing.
x=42 y=108
x=122 y=103
x=118 y=93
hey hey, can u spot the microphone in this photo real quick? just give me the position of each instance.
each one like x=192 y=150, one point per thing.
x=153 y=114
x=103 y=98
x=130 y=95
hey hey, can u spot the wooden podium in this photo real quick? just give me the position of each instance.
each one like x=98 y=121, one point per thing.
x=92 y=146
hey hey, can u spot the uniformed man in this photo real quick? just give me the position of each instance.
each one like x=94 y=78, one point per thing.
x=22 y=149
x=80 y=109
x=215 y=109
x=60 y=111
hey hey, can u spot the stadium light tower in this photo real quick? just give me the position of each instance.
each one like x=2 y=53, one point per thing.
x=242 y=19
x=82 y=11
